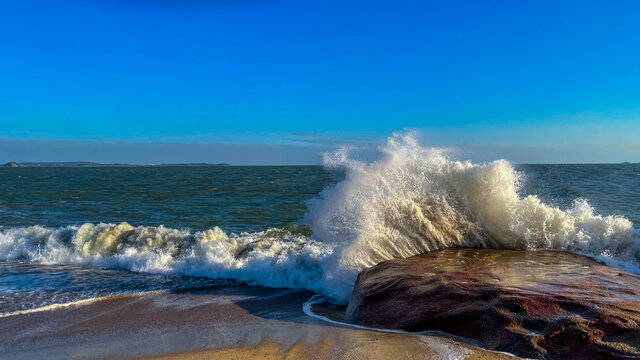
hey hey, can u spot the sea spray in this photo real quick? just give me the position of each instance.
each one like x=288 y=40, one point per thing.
x=415 y=199
x=410 y=201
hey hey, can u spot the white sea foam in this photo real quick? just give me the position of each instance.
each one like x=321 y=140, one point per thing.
x=411 y=201
x=274 y=257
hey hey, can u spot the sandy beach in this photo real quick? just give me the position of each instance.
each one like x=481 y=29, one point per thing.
x=239 y=322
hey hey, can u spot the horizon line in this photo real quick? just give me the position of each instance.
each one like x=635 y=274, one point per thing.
x=84 y=163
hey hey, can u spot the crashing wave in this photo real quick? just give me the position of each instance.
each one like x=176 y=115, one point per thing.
x=416 y=199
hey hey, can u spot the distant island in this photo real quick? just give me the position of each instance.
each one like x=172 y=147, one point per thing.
x=93 y=164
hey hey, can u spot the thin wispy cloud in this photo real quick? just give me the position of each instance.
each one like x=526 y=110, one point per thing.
x=306 y=134
x=336 y=141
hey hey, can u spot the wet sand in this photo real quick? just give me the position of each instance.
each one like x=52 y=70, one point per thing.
x=239 y=322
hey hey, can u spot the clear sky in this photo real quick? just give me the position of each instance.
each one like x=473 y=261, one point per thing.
x=191 y=80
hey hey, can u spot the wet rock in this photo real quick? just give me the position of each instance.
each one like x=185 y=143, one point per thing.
x=543 y=304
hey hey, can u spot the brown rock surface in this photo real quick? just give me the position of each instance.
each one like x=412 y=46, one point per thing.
x=540 y=304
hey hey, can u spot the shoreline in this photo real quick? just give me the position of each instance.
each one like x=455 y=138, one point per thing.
x=228 y=323
x=83 y=302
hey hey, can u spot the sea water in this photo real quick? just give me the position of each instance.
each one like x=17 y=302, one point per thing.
x=74 y=234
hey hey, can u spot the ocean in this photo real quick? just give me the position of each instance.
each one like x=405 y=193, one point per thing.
x=76 y=234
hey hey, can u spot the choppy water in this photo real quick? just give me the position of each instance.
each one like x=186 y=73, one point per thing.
x=77 y=233
x=238 y=198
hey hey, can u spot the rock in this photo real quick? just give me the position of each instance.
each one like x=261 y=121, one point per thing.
x=542 y=304
x=11 y=164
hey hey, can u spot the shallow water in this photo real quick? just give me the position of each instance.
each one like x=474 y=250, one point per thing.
x=26 y=286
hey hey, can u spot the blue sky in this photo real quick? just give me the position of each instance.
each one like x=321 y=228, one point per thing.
x=530 y=81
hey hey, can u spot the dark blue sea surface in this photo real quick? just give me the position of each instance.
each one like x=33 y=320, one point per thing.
x=251 y=198
x=236 y=198
x=612 y=189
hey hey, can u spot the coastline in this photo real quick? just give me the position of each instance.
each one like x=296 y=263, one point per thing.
x=238 y=322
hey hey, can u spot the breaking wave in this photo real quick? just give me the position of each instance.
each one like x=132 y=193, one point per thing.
x=411 y=201
x=275 y=257
x=416 y=199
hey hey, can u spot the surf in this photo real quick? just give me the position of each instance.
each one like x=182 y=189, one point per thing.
x=411 y=200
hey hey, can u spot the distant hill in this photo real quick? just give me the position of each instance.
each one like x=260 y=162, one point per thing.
x=192 y=164
x=93 y=164
x=11 y=164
